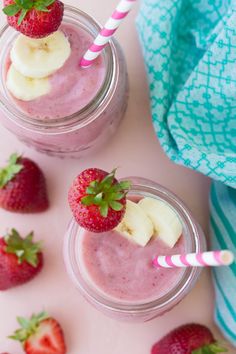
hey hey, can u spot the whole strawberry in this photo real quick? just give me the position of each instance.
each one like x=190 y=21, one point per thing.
x=22 y=186
x=34 y=18
x=20 y=259
x=188 y=339
x=98 y=200
x=40 y=334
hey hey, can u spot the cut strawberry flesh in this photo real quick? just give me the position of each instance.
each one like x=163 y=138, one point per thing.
x=47 y=340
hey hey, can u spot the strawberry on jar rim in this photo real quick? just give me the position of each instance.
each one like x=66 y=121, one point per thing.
x=188 y=339
x=21 y=259
x=41 y=334
x=22 y=186
x=98 y=200
x=35 y=19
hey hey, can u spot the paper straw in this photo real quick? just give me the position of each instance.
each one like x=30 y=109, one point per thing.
x=107 y=32
x=205 y=259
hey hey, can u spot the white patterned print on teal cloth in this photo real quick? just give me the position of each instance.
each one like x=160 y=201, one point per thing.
x=189 y=49
x=223 y=232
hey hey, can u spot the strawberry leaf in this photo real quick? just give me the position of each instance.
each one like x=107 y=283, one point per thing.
x=11 y=10
x=116 y=196
x=41 y=8
x=23 y=248
x=24 y=322
x=10 y=171
x=88 y=200
x=20 y=335
x=106 y=193
x=125 y=185
x=91 y=190
x=28 y=326
x=98 y=198
x=46 y=3
x=212 y=348
x=22 y=16
x=116 y=205
x=25 y=5
x=104 y=209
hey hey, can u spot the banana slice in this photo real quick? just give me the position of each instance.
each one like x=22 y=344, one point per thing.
x=135 y=225
x=166 y=223
x=26 y=88
x=39 y=58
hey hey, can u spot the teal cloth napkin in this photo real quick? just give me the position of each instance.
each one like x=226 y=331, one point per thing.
x=189 y=49
x=223 y=232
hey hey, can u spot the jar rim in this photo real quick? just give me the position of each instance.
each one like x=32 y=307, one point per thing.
x=173 y=296
x=94 y=108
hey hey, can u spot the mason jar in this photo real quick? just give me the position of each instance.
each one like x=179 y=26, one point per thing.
x=135 y=310
x=77 y=134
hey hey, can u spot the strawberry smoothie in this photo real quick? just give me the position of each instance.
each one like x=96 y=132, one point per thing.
x=123 y=270
x=72 y=87
x=113 y=270
x=82 y=108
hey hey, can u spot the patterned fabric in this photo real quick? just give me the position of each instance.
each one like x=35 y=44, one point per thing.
x=223 y=231
x=189 y=49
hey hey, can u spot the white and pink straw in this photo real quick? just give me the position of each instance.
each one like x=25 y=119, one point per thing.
x=107 y=32
x=205 y=259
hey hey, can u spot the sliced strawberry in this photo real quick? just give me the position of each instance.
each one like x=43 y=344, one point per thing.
x=22 y=186
x=40 y=334
x=98 y=200
x=34 y=18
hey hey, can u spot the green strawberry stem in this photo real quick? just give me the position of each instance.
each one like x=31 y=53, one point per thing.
x=10 y=171
x=24 y=248
x=22 y=7
x=106 y=194
x=212 y=348
x=28 y=326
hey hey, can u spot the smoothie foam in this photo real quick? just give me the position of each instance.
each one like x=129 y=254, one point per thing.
x=72 y=87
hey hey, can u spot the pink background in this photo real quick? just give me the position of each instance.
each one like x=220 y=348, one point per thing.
x=137 y=152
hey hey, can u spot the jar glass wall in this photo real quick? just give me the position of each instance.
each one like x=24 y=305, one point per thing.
x=85 y=130
x=194 y=240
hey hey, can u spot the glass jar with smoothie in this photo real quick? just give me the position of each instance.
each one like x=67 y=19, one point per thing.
x=78 y=109
x=113 y=270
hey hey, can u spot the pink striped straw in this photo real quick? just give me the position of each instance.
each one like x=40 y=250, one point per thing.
x=205 y=259
x=107 y=32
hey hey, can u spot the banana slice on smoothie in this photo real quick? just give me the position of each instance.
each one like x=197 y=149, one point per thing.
x=39 y=58
x=166 y=223
x=25 y=88
x=135 y=224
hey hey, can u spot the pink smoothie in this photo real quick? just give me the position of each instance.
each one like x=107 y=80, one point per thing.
x=72 y=87
x=96 y=97
x=123 y=270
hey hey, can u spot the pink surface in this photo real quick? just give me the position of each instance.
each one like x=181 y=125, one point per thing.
x=137 y=152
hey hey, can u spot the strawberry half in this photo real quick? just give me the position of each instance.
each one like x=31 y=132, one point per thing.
x=20 y=259
x=22 y=186
x=98 y=200
x=40 y=334
x=32 y=18
x=188 y=339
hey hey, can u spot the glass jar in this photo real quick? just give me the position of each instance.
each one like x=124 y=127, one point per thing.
x=194 y=241
x=77 y=134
